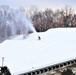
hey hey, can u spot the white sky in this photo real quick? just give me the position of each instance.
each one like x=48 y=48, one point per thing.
x=42 y=4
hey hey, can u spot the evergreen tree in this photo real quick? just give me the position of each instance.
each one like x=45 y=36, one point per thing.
x=5 y=71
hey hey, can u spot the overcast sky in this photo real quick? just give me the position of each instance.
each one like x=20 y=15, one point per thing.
x=41 y=4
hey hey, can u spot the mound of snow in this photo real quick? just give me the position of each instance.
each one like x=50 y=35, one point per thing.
x=55 y=46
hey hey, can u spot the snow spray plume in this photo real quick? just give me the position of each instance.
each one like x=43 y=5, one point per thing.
x=15 y=22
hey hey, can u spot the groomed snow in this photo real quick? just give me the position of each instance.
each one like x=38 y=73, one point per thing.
x=56 y=45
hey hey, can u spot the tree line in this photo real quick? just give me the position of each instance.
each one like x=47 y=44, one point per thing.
x=44 y=20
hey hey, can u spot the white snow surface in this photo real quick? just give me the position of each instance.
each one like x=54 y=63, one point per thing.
x=56 y=45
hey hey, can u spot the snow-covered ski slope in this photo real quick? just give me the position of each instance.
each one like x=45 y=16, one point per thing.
x=22 y=55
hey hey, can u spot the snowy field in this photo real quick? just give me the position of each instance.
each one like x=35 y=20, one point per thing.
x=22 y=55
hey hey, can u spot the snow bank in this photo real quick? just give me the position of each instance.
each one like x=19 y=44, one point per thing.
x=55 y=46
